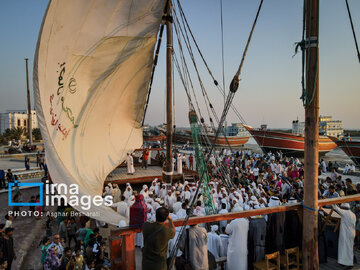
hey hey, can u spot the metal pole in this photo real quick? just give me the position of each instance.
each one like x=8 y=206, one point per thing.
x=169 y=116
x=29 y=124
x=310 y=213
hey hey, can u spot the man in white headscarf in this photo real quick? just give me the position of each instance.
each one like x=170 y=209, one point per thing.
x=214 y=242
x=181 y=213
x=163 y=192
x=130 y=164
x=223 y=211
x=346 y=235
x=116 y=193
x=128 y=191
x=237 y=253
x=145 y=192
x=108 y=190
x=274 y=201
x=170 y=199
x=177 y=204
x=155 y=187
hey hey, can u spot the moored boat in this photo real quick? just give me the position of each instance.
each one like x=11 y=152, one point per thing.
x=221 y=141
x=288 y=143
x=351 y=148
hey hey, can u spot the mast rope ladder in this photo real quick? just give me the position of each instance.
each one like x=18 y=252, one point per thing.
x=227 y=105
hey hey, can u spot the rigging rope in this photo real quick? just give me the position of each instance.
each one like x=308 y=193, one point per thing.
x=155 y=62
x=352 y=28
x=222 y=90
x=224 y=176
x=222 y=44
x=235 y=82
x=227 y=106
x=205 y=95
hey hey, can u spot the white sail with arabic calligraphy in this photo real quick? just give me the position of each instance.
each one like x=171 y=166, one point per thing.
x=91 y=73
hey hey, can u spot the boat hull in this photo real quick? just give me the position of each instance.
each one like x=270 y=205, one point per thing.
x=154 y=138
x=234 y=141
x=288 y=143
x=351 y=148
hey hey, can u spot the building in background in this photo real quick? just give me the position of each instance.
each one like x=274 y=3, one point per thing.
x=327 y=127
x=330 y=127
x=16 y=118
x=237 y=129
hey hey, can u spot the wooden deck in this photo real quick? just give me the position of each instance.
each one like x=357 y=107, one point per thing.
x=141 y=175
x=333 y=265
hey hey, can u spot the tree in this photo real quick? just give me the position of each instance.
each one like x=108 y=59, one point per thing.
x=36 y=134
x=18 y=132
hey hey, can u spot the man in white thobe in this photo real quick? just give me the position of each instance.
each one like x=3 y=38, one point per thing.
x=346 y=235
x=237 y=253
x=224 y=244
x=214 y=242
x=121 y=207
x=130 y=164
x=181 y=213
x=179 y=164
x=128 y=192
x=223 y=211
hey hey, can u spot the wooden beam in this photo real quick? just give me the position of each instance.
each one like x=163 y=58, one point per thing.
x=242 y=214
x=311 y=151
x=344 y=199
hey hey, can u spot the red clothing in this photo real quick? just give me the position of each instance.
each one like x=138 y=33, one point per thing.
x=145 y=155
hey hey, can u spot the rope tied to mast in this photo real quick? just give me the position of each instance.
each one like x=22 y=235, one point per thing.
x=234 y=85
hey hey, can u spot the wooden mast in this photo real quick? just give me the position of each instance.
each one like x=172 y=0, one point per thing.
x=169 y=116
x=310 y=213
x=29 y=124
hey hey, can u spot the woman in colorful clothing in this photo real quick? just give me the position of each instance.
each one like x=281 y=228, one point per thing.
x=52 y=262
x=45 y=244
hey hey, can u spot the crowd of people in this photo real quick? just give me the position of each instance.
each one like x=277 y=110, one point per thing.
x=70 y=242
x=75 y=245
x=257 y=181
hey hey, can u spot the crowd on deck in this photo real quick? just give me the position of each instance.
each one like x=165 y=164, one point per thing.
x=257 y=181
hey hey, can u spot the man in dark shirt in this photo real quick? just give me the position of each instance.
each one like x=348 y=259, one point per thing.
x=7 y=247
x=156 y=237
x=2 y=179
x=9 y=176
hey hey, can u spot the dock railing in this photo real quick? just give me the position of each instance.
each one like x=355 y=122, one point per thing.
x=122 y=240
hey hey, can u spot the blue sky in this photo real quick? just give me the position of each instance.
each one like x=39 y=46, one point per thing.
x=270 y=88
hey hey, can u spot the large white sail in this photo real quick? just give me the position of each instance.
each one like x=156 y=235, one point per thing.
x=91 y=73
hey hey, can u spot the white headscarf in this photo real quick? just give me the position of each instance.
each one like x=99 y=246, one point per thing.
x=214 y=228
x=274 y=201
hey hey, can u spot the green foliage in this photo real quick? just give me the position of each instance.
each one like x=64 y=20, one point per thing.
x=12 y=134
x=36 y=134
x=18 y=132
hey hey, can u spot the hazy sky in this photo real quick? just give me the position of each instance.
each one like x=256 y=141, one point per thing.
x=271 y=79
